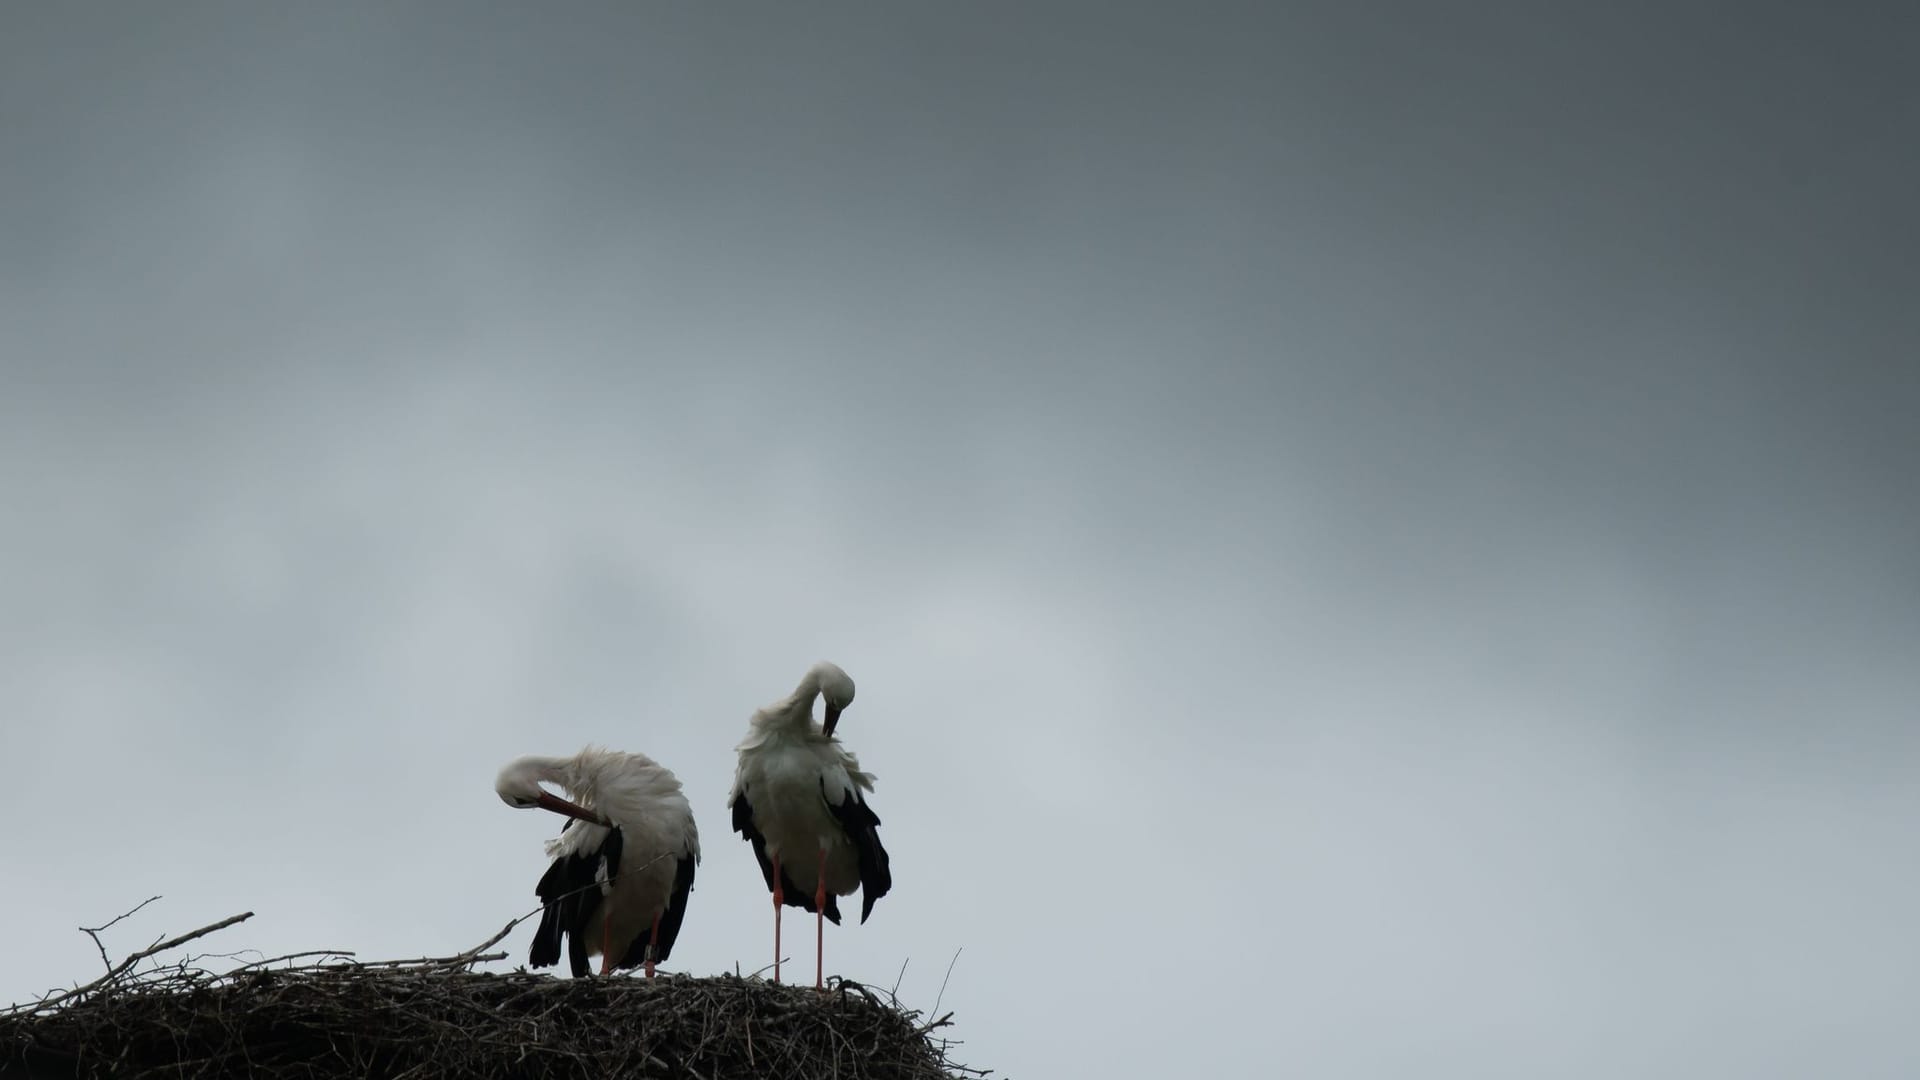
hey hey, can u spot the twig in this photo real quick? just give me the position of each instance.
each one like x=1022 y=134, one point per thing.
x=944 y=1021
x=943 y=980
x=757 y=972
x=125 y=915
x=184 y=938
x=434 y=961
x=895 y=992
x=344 y=953
x=94 y=932
x=471 y=955
x=234 y=955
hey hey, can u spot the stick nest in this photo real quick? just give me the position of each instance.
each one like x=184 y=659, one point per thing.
x=435 y=1018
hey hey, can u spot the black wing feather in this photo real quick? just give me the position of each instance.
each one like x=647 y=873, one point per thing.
x=546 y=940
x=570 y=899
x=676 y=912
x=862 y=827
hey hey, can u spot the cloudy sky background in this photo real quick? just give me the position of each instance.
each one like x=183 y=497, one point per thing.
x=1373 y=542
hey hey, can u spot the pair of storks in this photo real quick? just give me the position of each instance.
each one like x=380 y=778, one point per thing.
x=623 y=867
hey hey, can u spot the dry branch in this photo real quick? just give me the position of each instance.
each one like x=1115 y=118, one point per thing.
x=94 y=932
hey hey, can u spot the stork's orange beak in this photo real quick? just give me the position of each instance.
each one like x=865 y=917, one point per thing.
x=573 y=810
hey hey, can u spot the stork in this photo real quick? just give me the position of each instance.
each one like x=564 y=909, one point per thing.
x=797 y=799
x=626 y=859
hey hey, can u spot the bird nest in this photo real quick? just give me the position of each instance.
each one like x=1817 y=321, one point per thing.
x=335 y=1017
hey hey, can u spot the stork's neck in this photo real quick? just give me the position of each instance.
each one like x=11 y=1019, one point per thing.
x=539 y=768
x=795 y=711
x=809 y=687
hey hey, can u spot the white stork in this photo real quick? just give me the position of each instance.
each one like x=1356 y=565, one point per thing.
x=797 y=794
x=626 y=860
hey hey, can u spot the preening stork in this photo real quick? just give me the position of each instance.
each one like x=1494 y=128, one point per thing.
x=621 y=869
x=797 y=799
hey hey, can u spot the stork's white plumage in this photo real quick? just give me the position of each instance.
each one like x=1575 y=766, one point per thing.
x=797 y=799
x=621 y=870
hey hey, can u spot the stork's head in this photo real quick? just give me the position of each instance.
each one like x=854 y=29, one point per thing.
x=836 y=690
x=518 y=785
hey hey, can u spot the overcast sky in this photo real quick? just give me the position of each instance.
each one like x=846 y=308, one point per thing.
x=1373 y=543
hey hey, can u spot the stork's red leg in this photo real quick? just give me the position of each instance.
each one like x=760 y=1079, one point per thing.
x=820 y=925
x=606 y=940
x=776 y=918
x=653 y=945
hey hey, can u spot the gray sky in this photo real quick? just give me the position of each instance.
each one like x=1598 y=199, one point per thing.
x=1373 y=543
